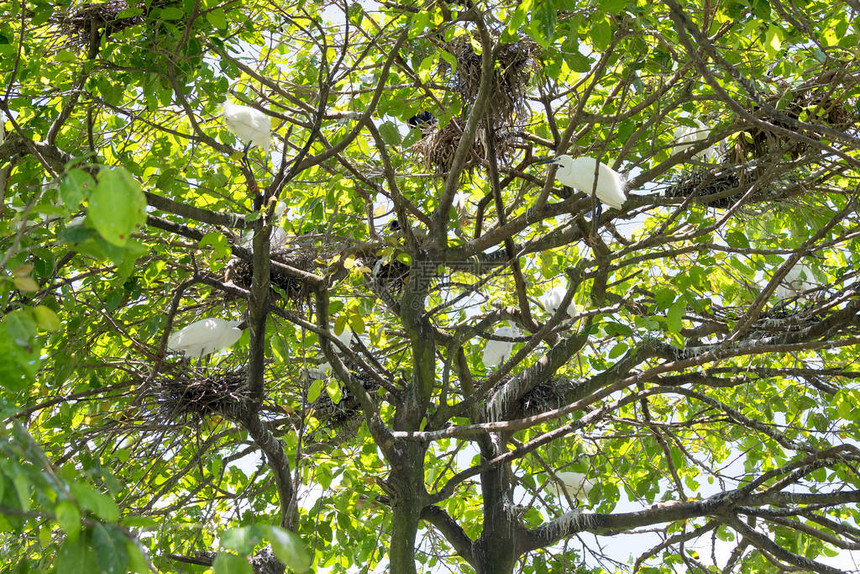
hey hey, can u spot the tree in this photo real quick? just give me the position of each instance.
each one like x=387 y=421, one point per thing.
x=703 y=389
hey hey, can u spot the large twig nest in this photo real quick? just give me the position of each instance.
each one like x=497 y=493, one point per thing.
x=546 y=396
x=513 y=69
x=702 y=183
x=297 y=253
x=439 y=145
x=79 y=22
x=336 y=415
x=190 y=397
x=815 y=101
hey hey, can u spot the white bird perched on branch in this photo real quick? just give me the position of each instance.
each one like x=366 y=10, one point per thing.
x=204 y=337
x=579 y=174
x=496 y=352
x=551 y=300
x=798 y=280
x=685 y=136
x=575 y=483
x=248 y=124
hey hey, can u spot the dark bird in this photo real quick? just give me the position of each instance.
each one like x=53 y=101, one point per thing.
x=423 y=121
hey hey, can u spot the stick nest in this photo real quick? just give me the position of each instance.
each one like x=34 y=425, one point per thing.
x=816 y=101
x=704 y=183
x=389 y=274
x=512 y=71
x=546 y=396
x=337 y=415
x=191 y=398
x=79 y=22
x=439 y=145
x=293 y=289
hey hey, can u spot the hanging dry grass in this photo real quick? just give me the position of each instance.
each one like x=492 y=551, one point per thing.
x=513 y=69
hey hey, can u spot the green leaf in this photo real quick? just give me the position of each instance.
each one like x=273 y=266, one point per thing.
x=20 y=326
x=218 y=242
x=289 y=549
x=242 y=540
x=171 y=13
x=76 y=187
x=390 y=134
x=231 y=564
x=618 y=350
x=69 y=518
x=22 y=488
x=76 y=557
x=117 y=205
x=96 y=502
x=46 y=319
x=217 y=18
x=675 y=315
x=601 y=35
x=333 y=390
x=546 y=19
x=315 y=390
x=136 y=559
x=109 y=544
x=613 y=6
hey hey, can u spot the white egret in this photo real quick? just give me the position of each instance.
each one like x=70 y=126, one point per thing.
x=575 y=483
x=579 y=174
x=798 y=280
x=551 y=300
x=685 y=136
x=278 y=239
x=497 y=352
x=248 y=124
x=204 y=337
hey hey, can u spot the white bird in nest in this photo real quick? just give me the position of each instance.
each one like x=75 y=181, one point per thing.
x=204 y=337
x=575 y=483
x=279 y=237
x=798 y=280
x=685 y=136
x=578 y=173
x=497 y=352
x=551 y=301
x=248 y=124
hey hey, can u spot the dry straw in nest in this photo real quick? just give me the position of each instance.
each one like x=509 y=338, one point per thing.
x=439 y=145
x=814 y=101
x=241 y=272
x=702 y=183
x=546 y=396
x=192 y=398
x=513 y=70
x=336 y=415
x=79 y=22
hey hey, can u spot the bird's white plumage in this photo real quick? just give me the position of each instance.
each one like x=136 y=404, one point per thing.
x=575 y=483
x=204 y=337
x=685 y=136
x=551 y=300
x=798 y=280
x=496 y=352
x=579 y=173
x=248 y=124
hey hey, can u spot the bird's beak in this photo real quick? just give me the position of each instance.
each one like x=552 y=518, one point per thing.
x=547 y=160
